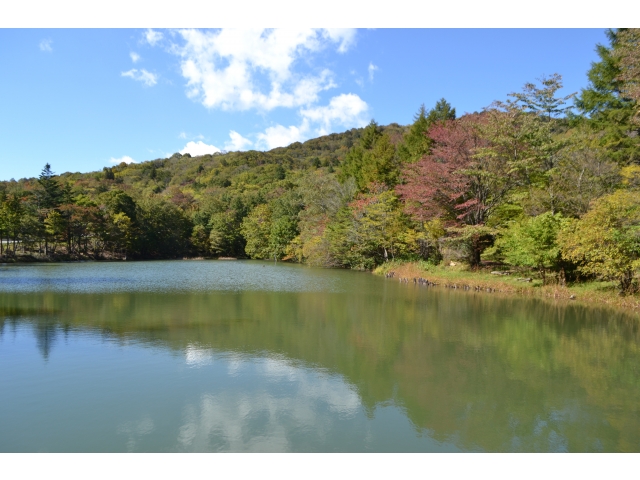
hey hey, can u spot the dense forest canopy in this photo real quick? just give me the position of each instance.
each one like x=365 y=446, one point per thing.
x=536 y=180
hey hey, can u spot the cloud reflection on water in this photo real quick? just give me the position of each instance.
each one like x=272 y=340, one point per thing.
x=134 y=430
x=286 y=402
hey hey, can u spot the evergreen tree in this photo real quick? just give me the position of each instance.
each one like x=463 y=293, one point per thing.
x=628 y=54
x=608 y=111
x=51 y=193
x=442 y=112
x=371 y=133
x=416 y=143
x=602 y=94
x=373 y=159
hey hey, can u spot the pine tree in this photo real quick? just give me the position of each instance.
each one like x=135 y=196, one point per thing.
x=51 y=193
x=628 y=54
x=416 y=143
x=371 y=133
x=373 y=159
x=441 y=112
x=606 y=109
x=602 y=94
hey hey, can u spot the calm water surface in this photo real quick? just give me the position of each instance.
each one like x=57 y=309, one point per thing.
x=252 y=356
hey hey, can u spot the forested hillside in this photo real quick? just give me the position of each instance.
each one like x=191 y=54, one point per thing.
x=536 y=180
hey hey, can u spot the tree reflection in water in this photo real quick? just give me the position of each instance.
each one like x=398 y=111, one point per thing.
x=482 y=372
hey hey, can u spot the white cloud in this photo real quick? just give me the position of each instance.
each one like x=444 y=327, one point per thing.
x=372 y=68
x=134 y=57
x=264 y=69
x=358 y=78
x=346 y=110
x=185 y=136
x=199 y=148
x=148 y=78
x=237 y=142
x=229 y=68
x=45 y=45
x=346 y=37
x=280 y=136
x=126 y=159
x=152 y=37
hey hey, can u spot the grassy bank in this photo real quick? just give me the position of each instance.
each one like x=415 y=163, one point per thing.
x=461 y=277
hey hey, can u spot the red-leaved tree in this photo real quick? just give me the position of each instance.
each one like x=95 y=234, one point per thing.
x=468 y=174
x=475 y=162
x=439 y=185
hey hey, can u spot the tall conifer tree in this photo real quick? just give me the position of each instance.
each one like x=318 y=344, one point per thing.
x=416 y=143
x=609 y=111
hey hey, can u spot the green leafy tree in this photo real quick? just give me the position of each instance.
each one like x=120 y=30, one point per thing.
x=343 y=242
x=118 y=229
x=256 y=229
x=200 y=243
x=108 y=173
x=118 y=201
x=283 y=230
x=428 y=239
x=13 y=213
x=322 y=196
x=164 y=230
x=225 y=238
x=605 y=242
x=56 y=227
x=542 y=100
x=532 y=242
x=466 y=243
x=284 y=222
x=520 y=134
x=4 y=227
x=372 y=230
x=582 y=172
x=121 y=233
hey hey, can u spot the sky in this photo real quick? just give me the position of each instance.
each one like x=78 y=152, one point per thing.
x=83 y=99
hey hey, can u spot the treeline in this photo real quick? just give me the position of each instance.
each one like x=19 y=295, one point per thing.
x=536 y=181
x=49 y=219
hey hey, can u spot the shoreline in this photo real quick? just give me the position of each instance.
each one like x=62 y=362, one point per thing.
x=30 y=259
x=595 y=293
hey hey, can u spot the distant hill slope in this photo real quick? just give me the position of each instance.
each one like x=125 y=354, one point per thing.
x=195 y=176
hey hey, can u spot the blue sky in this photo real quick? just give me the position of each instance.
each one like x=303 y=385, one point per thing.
x=84 y=99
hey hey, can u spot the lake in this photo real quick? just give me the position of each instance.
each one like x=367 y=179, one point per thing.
x=209 y=356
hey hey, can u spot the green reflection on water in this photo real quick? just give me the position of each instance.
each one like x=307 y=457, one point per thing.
x=482 y=372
